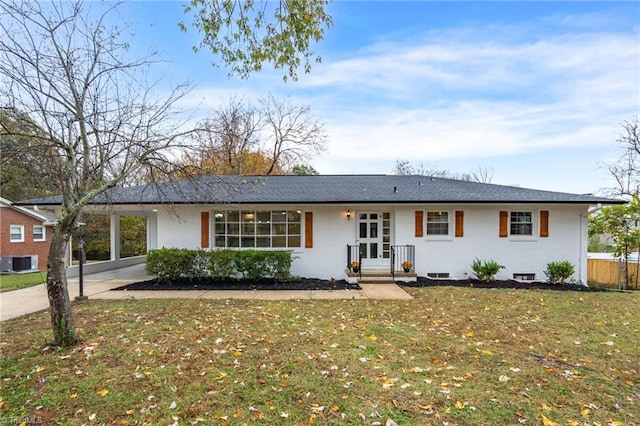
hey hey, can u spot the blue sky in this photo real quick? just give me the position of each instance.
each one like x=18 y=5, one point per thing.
x=535 y=91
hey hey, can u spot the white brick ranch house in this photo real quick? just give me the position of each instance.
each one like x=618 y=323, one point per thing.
x=326 y=221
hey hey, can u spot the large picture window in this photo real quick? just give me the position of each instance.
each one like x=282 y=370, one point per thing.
x=521 y=223
x=257 y=228
x=437 y=223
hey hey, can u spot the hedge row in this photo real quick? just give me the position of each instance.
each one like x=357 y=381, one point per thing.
x=171 y=264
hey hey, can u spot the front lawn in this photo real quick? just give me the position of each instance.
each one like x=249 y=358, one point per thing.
x=454 y=356
x=17 y=281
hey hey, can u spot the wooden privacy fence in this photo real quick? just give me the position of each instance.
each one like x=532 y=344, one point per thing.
x=610 y=272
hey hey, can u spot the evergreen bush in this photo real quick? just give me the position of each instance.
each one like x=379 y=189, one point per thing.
x=170 y=264
x=559 y=272
x=486 y=271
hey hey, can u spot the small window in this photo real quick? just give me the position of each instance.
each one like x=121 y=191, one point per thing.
x=524 y=277
x=38 y=233
x=437 y=223
x=16 y=233
x=438 y=275
x=521 y=223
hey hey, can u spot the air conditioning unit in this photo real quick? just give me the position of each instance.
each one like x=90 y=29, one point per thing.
x=21 y=263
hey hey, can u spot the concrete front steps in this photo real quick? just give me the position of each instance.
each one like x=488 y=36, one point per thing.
x=380 y=284
x=377 y=276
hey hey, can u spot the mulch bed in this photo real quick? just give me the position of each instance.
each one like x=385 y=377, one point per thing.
x=318 y=284
x=506 y=284
x=240 y=284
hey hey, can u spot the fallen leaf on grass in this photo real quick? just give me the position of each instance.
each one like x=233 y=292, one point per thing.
x=427 y=408
x=103 y=392
x=220 y=376
x=548 y=422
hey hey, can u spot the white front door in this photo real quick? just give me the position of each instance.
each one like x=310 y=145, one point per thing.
x=369 y=238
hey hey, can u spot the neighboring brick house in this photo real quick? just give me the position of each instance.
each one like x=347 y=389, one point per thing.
x=25 y=237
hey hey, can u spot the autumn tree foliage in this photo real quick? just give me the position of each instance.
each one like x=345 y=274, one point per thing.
x=276 y=136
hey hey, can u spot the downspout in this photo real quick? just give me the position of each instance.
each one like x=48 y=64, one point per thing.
x=583 y=223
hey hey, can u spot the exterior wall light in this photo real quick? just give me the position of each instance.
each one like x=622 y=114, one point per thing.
x=348 y=214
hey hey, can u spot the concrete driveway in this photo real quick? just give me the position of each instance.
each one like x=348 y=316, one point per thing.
x=96 y=286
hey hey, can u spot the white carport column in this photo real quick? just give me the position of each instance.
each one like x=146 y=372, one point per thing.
x=115 y=236
x=152 y=231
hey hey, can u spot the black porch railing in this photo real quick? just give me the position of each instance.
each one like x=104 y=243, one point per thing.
x=354 y=257
x=403 y=258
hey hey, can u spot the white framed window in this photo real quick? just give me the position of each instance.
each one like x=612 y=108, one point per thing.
x=39 y=233
x=438 y=223
x=257 y=228
x=16 y=233
x=521 y=223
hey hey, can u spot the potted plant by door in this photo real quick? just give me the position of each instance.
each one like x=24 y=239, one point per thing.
x=406 y=266
x=355 y=266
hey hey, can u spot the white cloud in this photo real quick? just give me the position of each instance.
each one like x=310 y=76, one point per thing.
x=490 y=92
x=451 y=94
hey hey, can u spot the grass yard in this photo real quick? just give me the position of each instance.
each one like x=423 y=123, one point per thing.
x=16 y=281
x=451 y=356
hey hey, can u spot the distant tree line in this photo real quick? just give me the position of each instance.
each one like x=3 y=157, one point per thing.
x=405 y=167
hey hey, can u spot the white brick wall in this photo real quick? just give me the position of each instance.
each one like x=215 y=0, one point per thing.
x=332 y=232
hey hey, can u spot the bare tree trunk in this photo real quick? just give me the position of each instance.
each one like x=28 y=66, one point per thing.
x=64 y=332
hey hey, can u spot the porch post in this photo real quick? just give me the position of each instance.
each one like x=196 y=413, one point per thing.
x=152 y=231
x=114 y=237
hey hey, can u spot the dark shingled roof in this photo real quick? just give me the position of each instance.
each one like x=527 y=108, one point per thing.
x=327 y=189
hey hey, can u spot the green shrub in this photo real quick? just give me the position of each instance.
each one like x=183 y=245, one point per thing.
x=277 y=265
x=220 y=263
x=559 y=272
x=256 y=264
x=486 y=271
x=170 y=264
x=248 y=263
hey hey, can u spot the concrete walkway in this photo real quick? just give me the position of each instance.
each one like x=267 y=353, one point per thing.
x=96 y=286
